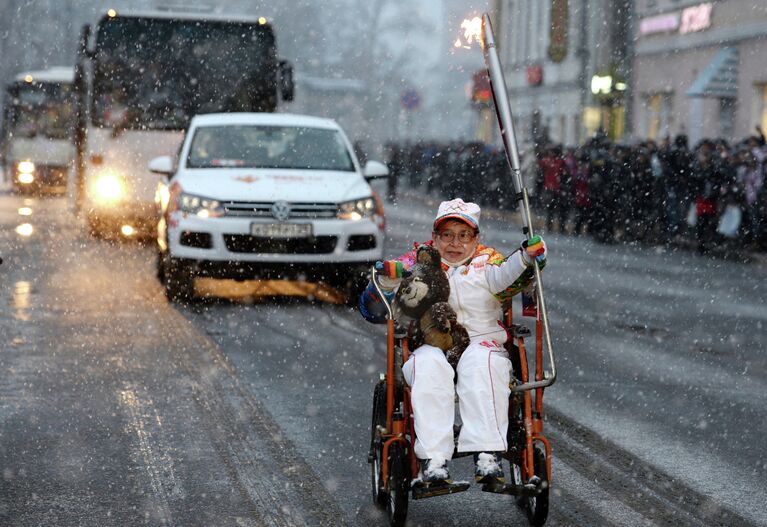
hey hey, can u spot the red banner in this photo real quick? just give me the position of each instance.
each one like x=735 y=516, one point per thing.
x=558 y=30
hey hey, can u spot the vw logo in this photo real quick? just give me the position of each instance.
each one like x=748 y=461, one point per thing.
x=281 y=210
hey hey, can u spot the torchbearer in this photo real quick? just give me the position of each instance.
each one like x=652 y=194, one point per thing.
x=413 y=438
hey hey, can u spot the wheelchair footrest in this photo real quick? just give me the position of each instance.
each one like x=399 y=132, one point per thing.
x=424 y=490
x=528 y=490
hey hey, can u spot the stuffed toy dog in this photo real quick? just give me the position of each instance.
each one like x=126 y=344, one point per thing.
x=422 y=299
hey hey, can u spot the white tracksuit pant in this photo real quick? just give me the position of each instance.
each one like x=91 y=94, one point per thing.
x=483 y=394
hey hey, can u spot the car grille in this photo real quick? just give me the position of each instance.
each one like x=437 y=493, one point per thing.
x=198 y=240
x=361 y=242
x=245 y=243
x=256 y=209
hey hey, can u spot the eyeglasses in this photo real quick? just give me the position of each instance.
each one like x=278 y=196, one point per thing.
x=463 y=236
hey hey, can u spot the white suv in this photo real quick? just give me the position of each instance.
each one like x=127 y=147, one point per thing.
x=262 y=195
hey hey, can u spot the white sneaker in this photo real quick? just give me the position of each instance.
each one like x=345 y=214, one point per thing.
x=488 y=468
x=434 y=470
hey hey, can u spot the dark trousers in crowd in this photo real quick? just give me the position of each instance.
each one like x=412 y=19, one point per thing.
x=705 y=232
x=605 y=214
x=582 y=220
x=751 y=226
x=674 y=213
x=556 y=208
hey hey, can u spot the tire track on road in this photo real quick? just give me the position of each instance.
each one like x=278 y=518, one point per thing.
x=272 y=473
x=153 y=450
x=645 y=489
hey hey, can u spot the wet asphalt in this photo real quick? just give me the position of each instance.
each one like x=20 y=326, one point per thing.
x=118 y=408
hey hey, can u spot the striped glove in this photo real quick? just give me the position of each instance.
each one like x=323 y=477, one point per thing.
x=390 y=274
x=534 y=249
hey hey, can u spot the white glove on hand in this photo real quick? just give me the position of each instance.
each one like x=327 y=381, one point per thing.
x=388 y=284
x=389 y=275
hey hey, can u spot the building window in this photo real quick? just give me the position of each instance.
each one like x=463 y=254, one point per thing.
x=658 y=115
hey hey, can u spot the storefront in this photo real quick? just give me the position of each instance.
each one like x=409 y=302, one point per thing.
x=700 y=69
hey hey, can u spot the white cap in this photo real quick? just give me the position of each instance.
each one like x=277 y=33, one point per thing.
x=459 y=210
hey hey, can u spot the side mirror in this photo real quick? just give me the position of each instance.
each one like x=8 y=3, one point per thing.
x=162 y=165
x=287 y=86
x=375 y=170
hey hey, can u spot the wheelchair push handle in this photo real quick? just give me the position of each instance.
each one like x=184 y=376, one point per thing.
x=375 y=272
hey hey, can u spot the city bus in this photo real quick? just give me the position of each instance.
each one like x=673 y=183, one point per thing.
x=36 y=143
x=139 y=79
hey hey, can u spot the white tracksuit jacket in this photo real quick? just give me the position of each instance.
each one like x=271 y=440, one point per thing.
x=483 y=372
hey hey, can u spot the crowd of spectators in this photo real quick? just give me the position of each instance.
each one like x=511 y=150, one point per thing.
x=649 y=192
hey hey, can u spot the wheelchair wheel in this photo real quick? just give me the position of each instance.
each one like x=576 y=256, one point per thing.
x=536 y=507
x=380 y=498
x=399 y=486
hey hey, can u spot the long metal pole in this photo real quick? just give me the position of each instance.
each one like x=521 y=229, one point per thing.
x=505 y=121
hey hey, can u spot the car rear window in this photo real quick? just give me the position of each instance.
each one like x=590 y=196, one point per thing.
x=258 y=146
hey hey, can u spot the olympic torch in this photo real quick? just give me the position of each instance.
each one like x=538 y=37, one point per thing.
x=503 y=112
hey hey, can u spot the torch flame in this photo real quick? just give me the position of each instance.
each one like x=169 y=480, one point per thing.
x=472 y=29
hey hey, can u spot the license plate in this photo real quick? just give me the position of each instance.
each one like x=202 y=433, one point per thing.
x=281 y=230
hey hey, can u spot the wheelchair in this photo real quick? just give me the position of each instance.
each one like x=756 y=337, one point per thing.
x=394 y=467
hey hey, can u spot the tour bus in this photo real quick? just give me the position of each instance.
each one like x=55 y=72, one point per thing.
x=37 y=126
x=139 y=79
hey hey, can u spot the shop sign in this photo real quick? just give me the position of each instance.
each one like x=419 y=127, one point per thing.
x=659 y=24
x=696 y=18
x=558 y=30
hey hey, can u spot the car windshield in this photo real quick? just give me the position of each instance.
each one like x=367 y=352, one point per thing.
x=251 y=146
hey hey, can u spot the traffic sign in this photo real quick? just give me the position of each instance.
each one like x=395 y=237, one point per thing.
x=410 y=99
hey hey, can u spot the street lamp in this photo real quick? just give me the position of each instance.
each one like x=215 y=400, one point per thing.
x=608 y=91
x=601 y=84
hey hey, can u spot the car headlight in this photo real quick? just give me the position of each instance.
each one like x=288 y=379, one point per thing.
x=25 y=167
x=25 y=172
x=202 y=207
x=357 y=209
x=109 y=188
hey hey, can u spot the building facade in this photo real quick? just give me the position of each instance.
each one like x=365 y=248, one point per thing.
x=700 y=68
x=567 y=64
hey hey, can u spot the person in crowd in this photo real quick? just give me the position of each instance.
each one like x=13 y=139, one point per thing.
x=750 y=177
x=707 y=180
x=600 y=189
x=581 y=199
x=641 y=209
x=554 y=172
x=679 y=162
x=395 y=163
x=480 y=279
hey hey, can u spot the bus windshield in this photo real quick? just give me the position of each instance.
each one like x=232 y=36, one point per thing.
x=250 y=146
x=157 y=73
x=42 y=109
